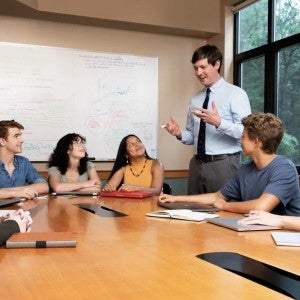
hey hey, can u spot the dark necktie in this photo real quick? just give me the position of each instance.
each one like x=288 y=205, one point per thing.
x=201 y=136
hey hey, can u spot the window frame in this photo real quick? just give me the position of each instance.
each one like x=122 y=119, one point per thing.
x=270 y=52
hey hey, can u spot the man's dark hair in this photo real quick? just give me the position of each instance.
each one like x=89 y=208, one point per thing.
x=211 y=52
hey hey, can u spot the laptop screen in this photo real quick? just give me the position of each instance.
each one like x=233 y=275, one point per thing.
x=6 y=202
x=188 y=205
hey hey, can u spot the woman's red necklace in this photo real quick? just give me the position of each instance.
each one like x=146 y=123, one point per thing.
x=141 y=171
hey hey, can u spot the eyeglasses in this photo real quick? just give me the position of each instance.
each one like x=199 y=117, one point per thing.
x=134 y=144
x=79 y=143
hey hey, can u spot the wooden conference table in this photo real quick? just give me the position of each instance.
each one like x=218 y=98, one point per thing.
x=134 y=257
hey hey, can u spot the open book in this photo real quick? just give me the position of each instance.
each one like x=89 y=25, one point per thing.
x=286 y=238
x=182 y=214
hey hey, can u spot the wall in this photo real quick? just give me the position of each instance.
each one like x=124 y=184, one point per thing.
x=194 y=16
x=153 y=34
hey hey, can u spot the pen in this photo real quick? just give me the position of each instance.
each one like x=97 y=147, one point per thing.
x=42 y=197
x=64 y=195
x=37 y=197
x=249 y=214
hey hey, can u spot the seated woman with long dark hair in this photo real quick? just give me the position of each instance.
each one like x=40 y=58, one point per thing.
x=134 y=169
x=69 y=167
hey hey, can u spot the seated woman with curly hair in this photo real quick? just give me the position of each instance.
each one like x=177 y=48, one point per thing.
x=69 y=167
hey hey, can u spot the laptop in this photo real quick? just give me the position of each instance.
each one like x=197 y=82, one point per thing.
x=232 y=223
x=78 y=193
x=127 y=194
x=6 y=202
x=194 y=206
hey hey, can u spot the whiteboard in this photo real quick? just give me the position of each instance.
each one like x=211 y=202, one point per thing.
x=53 y=91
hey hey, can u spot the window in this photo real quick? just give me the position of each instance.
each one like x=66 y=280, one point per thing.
x=253 y=26
x=252 y=72
x=287 y=18
x=267 y=64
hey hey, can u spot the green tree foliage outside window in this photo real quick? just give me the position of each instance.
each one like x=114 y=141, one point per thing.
x=252 y=74
x=288 y=95
x=253 y=26
x=253 y=33
x=287 y=18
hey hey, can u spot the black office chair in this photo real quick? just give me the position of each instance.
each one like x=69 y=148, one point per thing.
x=166 y=189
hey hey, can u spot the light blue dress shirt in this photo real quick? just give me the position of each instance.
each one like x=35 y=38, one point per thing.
x=23 y=174
x=232 y=104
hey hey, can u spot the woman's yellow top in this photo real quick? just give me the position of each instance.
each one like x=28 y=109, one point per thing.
x=139 y=173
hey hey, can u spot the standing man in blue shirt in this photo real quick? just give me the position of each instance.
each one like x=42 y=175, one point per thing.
x=227 y=105
x=18 y=178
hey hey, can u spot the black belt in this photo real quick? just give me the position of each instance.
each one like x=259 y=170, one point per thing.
x=211 y=158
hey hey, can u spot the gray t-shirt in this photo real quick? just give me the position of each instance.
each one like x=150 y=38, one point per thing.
x=279 y=178
x=54 y=171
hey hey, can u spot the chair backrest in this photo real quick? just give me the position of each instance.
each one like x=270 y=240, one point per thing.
x=166 y=188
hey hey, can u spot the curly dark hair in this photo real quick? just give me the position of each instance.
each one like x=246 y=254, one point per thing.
x=60 y=158
x=121 y=159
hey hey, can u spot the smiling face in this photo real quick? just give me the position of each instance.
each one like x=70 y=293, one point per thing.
x=206 y=72
x=134 y=147
x=14 y=141
x=249 y=146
